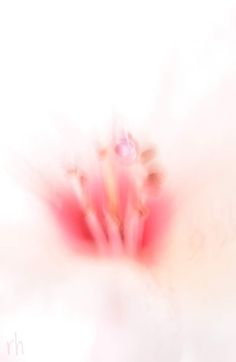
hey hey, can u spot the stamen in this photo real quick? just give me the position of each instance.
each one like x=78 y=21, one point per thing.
x=114 y=234
x=133 y=230
x=96 y=231
x=153 y=180
x=147 y=155
x=78 y=183
x=110 y=186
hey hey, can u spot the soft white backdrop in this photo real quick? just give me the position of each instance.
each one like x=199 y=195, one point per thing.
x=164 y=69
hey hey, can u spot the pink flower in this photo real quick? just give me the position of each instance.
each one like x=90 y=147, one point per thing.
x=117 y=207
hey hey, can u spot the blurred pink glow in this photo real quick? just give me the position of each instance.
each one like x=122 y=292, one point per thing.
x=119 y=210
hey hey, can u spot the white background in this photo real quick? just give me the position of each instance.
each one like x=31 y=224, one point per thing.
x=166 y=70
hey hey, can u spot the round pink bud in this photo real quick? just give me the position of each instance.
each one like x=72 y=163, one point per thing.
x=126 y=149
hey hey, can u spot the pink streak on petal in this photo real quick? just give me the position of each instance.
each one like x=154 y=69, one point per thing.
x=98 y=200
x=156 y=227
x=68 y=214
